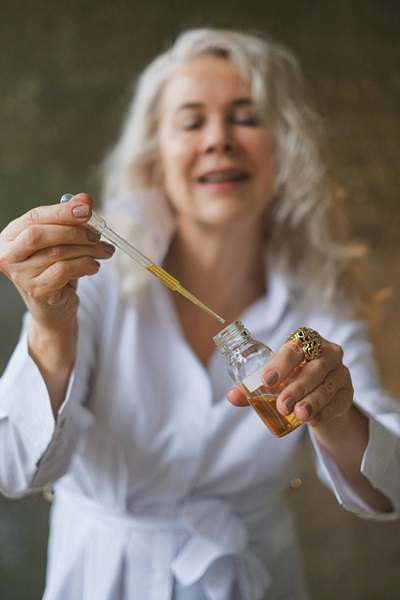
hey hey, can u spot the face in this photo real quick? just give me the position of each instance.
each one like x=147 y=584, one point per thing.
x=217 y=159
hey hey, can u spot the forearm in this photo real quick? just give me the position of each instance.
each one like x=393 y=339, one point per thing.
x=345 y=439
x=54 y=352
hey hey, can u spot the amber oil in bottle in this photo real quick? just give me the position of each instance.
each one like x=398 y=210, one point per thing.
x=246 y=360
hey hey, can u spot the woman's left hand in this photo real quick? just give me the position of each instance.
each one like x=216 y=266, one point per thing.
x=316 y=391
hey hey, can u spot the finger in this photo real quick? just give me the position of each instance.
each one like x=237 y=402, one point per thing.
x=289 y=361
x=47 y=286
x=314 y=401
x=289 y=357
x=25 y=272
x=338 y=405
x=77 y=211
x=322 y=371
x=325 y=394
x=39 y=237
x=47 y=256
x=237 y=397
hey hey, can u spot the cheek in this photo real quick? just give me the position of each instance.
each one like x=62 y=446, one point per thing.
x=179 y=150
x=176 y=160
x=266 y=164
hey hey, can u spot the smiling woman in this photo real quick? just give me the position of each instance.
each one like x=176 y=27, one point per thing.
x=217 y=160
x=115 y=395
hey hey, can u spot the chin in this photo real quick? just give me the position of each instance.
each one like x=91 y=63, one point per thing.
x=221 y=219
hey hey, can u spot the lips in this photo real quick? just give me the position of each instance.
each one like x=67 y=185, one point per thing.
x=226 y=176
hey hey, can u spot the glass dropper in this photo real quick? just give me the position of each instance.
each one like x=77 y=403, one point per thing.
x=98 y=224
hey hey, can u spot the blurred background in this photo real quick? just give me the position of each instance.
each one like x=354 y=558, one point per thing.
x=66 y=71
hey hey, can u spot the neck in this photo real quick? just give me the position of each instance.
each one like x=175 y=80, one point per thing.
x=224 y=269
x=233 y=259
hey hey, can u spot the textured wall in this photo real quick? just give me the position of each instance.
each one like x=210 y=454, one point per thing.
x=65 y=73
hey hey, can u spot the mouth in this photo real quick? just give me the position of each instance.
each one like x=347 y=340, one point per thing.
x=227 y=176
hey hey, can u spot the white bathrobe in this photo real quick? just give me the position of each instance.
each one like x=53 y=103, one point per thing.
x=157 y=477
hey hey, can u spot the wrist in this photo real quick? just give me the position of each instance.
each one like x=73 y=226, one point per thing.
x=53 y=348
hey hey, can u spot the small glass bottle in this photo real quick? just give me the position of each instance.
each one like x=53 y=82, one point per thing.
x=246 y=360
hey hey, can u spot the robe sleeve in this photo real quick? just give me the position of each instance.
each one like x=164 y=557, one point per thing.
x=381 y=460
x=36 y=448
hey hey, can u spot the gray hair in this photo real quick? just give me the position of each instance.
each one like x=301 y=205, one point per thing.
x=298 y=227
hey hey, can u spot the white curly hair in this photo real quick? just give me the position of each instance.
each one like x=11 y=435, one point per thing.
x=299 y=230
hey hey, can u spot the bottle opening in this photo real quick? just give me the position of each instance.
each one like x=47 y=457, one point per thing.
x=224 y=338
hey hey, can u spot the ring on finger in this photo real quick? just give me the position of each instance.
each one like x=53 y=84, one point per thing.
x=309 y=341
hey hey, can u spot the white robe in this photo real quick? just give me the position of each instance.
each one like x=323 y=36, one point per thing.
x=157 y=477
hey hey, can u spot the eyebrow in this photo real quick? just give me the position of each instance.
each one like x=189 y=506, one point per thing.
x=237 y=102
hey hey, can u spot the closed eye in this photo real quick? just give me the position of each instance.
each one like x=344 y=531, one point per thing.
x=246 y=121
x=191 y=125
x=244 y=112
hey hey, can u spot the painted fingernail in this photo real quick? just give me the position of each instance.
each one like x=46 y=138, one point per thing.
x=270 y=377
x=289 y=405
x=92 y=235
x=83 y=210
x=318 y=417
x=109 y=248
x=308 y=408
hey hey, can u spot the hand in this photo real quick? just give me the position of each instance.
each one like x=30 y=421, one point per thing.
x=317 y=391
x=45 y=251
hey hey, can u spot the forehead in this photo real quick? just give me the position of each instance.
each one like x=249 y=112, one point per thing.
x=206 y=80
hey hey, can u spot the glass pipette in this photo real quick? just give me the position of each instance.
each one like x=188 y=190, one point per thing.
x=98 y=224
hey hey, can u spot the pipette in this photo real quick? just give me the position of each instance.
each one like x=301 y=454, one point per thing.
x=98 y=224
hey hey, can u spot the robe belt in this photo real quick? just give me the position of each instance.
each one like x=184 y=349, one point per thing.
x=215 y=533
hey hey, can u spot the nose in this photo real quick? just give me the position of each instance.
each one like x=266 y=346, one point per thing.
x=218 y=138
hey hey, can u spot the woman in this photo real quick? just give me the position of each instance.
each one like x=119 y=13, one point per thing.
x=115 y=395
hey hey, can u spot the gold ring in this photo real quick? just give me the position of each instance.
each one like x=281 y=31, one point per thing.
x=309 y=340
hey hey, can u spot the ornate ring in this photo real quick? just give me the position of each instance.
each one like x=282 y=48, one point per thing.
x=309 y=340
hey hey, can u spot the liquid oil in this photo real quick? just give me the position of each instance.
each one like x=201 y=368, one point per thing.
x=265 y=406
x=174 y=285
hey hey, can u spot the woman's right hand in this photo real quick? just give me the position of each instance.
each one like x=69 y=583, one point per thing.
x=45 y=251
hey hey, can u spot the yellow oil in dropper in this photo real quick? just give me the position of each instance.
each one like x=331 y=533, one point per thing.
x=98 y=224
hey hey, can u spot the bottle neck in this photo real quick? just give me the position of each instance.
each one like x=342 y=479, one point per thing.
x=231 y=337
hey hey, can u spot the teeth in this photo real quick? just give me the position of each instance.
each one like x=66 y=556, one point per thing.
x=223 y=176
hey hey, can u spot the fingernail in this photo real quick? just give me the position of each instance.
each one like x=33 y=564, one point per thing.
x=308 y=408
x=92 y=235
x=109 y=248
x=270 y=377
x=289 y=405
x=83 y=210
x=318 y=417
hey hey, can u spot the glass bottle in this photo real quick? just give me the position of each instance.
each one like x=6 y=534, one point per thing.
x=246 y=360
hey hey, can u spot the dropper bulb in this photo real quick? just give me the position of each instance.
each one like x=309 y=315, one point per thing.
x=67 y=197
